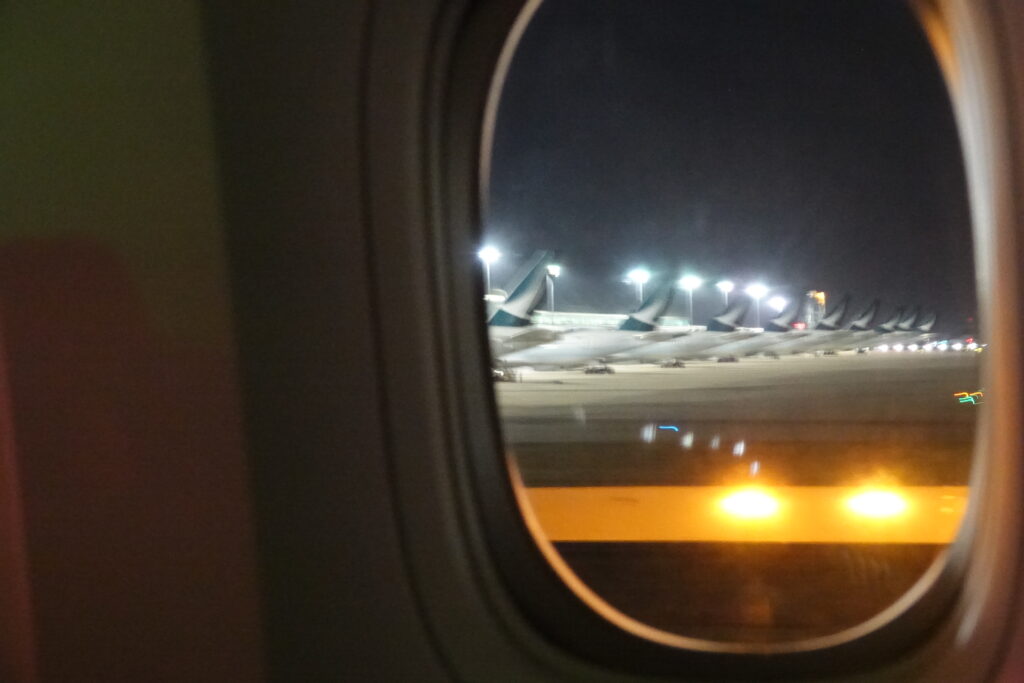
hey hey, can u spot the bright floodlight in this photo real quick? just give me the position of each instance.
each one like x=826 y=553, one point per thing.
x=725 y=286
x=554 y=271
x=756 y=291
x=489 y=255
x=777 y=303
x=690 y=282
x=639 y=276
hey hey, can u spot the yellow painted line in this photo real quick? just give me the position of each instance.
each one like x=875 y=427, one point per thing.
x=779 y=514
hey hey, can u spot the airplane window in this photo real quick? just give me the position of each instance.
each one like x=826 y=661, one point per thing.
x=730 y=297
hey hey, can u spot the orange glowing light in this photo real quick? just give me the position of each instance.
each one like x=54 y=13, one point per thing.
x=750 y=504
x=877 y=504
x=804 y=514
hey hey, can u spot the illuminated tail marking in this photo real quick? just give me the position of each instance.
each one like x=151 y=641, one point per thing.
x=928 y=323
x=645 y=318
x=525 y=296
x=783 y=322
x=832 y=319
x=863 y=322
x=909 y=320
x=890 y=324
x=729 y=319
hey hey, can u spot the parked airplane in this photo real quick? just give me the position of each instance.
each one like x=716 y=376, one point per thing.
x=827 y=327
x=780 y=325
x=721 y=329
x=510 y=328
x=829 y=339
x=917 y=330
x=579 y=347
x=862 y=338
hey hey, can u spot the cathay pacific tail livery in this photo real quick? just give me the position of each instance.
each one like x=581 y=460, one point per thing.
x=577 y=348
x=509 y=328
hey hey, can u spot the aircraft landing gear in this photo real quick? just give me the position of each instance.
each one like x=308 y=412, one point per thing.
x=503 y=373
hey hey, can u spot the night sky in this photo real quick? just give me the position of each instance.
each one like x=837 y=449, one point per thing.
x=801 y=143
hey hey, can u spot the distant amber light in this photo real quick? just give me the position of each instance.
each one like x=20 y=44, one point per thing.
x=750 y=504
x=804 y=514
x=877 y=504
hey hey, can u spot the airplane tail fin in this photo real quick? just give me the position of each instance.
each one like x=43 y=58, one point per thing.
x=645 y=318
x=729 y=319
x=785 y=320
x=526 y=295
x=909 y=320
x=862 y=322
x=834 y=317
x=890 y=324
x=927 y=323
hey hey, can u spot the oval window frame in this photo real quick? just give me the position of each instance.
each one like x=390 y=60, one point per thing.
x=488 y=496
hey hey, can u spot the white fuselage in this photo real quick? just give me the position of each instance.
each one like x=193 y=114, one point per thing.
x=747 y=347
x=505 y=340
x=818 y=340
x=684 y=347
x=579 y=347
